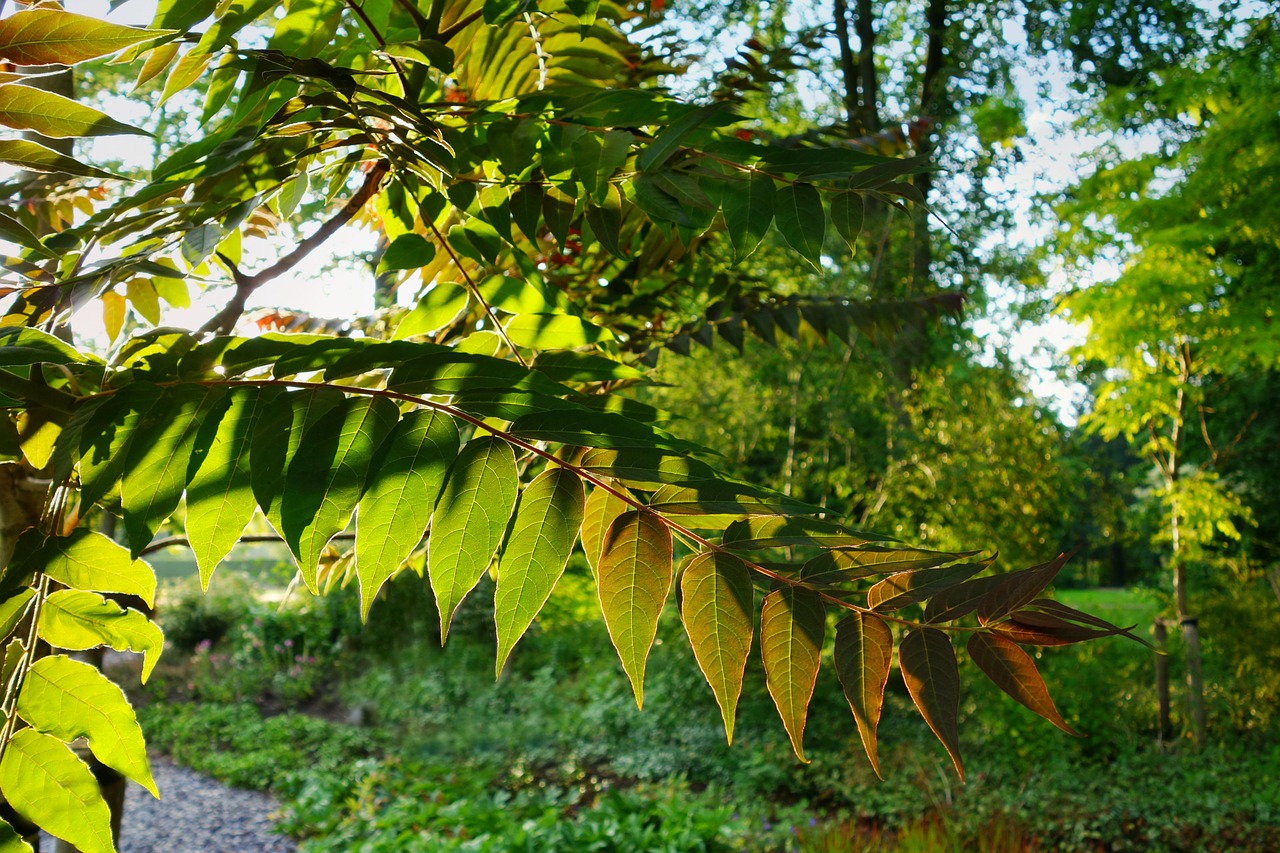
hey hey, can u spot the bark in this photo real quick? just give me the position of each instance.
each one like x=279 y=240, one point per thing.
x=868 y=102
x=848 y=64
x=932 y=95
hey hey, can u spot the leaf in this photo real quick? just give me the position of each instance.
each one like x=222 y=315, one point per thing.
x=34 y=157
x=113 y=313
x=327 y=475
x=220 y=499
x=602 y=508
x=846 y=564
x=77 y=620
x=929 y=668
x=554 y=331
x=597 y=157
x=1017 y=589
x=633 y=577
x=788 y=531
x=54 y=37
x=793 y=627
x=276 y=437
x=70 y=700
x=562 y=366
x=436 y=309
x=847 y=214
x=548 y=518
x=899 y=590
x=45 y=783
x=407 y=252
x=748 y=209
x=90 y=561
x=1043 y=629
x=668 y=141
x=155 y=470
x=593 y=429
x=25 y=108
x=15 y=231
x=11 y=841
x=961 y=600
x=801 y=221
x=470 y=517
x=14 y=608
x=717 y=613
x=105 y=440
x=403 y=486
x=720 y=498
x=1013 y=671
x=644 y=467
x=863 y=653
x=452 y=372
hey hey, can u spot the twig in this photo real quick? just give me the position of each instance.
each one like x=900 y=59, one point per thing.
x=382 y=43
x=419 y=19
x=183 y=542
x=224 y=321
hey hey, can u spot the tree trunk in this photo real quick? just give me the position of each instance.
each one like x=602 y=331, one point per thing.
x=848 y=64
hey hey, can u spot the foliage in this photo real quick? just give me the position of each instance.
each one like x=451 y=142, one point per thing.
x=487 y=418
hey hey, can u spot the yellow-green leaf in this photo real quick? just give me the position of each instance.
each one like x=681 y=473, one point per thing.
x=603 y=506
x=11 y=841
x=633 y=577
x=863 y=652
x=34 y=157
x=403 y=486
x=793 y=626
x=929 y=668
x=54 y=37
x=113 y=311
x=45 y=783
x=543 y=534
x=327 y=476
x=186 y=72
x=105 y=439
x=90 y=561
x=77 y=620
x=25 y=108
x=12 y=610
x=142 y=293
x=69 y=700
x=717 y=613
x=554 y=331
x=1014 y=672
x=469 y=520
x=276 y=437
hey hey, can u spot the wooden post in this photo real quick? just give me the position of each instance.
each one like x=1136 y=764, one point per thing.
x=1162 y=679
x=1195 y=680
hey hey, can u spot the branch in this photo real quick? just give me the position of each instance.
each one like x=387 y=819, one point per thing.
x=183 y=542
x=224 y=321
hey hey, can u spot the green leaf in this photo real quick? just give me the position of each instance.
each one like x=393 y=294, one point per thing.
x=548 y=518
x=554 y=331
x=437 y=308
x=106 y=438
x=644 y=467
x=276 y=437
x=847 y=213
x=849 y=564
x=593 y=429
x=470 y=517
x=90 y=561
x=717 y=610
x=54 y=37
x=597 y=157
x=748 y=209
x=789 y=531
x=13 y=230
x=1013 y=671
x=633 y=577
x=453 y=372
x=961 y=600
x=14 y=608
x=898 y=591
x=793 y=627
x=719 y=498
x=565 y=366
x=929 y=668
x=220 y=499
x=801 y=221
x=45 y=783
x=668 y=141
x=407 y=252
x=34 y=157
x=1017 y=589
x=77 y=620
x=498 y=12
x=11 y=841
x=155 y=470
x=863 y=652
x=602 y=508
x=327 y=476
x=70 y=700
x=405 y=482
x=25 y=108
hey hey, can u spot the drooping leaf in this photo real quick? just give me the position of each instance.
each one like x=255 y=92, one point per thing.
x=597 y=157
x=155 y=471
x=548 y=518
x=69 y=700
x=327 y=476
x=106 y=437
x=717 y=606
x=1033 y=628
x=220 y=499
x=1017 y=589
x=668 y=141
x=713 y=498
x=748 y=210
x=929 y=668
x=13 y=230
x=1013 y=671
x=470 y=517
x=407 y=252
x=633 y=577
x=90 y=561
x=847 y=213
x=602 y=508
x=904 y=588
x=77 y=620
x=863 y=653
x=45 y=783
x=959 y=600
x=404 y=484
x=276 y=437
x=793 y=626
x=801 y=221
x=53 y=37
x=34 y=157
x=51 y=115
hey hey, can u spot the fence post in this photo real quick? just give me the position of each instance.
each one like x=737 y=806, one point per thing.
x=1162 y=678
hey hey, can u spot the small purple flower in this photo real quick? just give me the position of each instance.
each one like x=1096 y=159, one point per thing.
x=288 y=644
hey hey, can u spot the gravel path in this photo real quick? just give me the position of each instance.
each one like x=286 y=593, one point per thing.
x=196 y=815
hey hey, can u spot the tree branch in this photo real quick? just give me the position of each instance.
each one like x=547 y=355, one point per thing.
x=224 y=321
